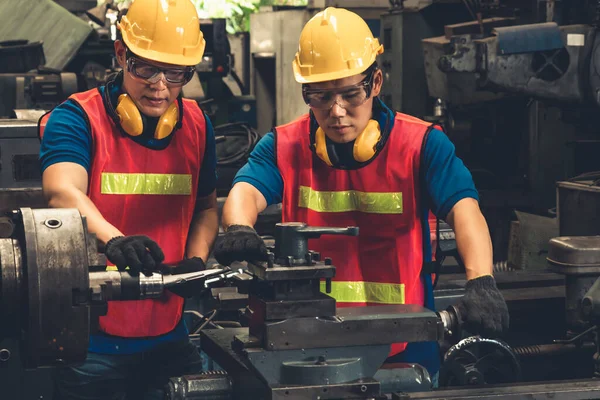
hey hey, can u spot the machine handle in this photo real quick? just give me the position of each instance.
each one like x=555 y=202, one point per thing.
x=291 y=241
x=312 y=232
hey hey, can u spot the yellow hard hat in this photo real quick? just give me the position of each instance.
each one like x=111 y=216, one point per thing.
x=166 y=31
x=334 y=44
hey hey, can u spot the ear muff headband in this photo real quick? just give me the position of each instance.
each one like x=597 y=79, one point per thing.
x=128 y=117
x=365 y=145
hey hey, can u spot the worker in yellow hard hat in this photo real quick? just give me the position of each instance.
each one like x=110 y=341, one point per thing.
x=351 y=161
x=139 y=162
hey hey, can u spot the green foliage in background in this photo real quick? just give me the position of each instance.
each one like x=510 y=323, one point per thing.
x=237 y=12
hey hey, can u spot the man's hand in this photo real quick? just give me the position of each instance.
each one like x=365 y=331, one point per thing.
x=188 y=289
x=139 y=253
x=483 y=309
x=240 y=243
x=193 y=264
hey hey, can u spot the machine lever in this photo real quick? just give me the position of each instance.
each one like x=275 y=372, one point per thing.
x=291 y=241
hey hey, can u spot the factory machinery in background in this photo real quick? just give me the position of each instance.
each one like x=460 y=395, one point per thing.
x=515 y=85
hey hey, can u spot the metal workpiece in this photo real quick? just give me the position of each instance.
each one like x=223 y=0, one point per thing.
x=557 y=390
x=115 y=285
x=212 y=385
x=451 y=322
x=291 y=241
x=119 y=286
x=355 y=326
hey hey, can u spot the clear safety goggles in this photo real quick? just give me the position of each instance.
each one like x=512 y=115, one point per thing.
x=152 y=74
x=346 y=97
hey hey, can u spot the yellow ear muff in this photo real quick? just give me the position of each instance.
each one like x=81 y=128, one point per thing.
x=167 y=122
x=129 y=116
x=365 y=144
x=321 y=146
x=132 y=123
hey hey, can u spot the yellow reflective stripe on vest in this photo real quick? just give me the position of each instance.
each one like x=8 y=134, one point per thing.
x=162 y=184
x=366 y=292
x=350 y=200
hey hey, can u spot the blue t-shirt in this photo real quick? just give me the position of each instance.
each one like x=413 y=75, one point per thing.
x=67 y=138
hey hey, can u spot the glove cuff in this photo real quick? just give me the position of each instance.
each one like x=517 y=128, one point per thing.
x=111 y=241
x=483 y=282
x=240 y=228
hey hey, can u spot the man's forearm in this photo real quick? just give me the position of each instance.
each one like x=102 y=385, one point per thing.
x=74 y=198
x=203 y=231
x=472 y=238
x=243 y=205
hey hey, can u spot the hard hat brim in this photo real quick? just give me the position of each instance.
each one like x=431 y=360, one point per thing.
x=329 y=76
x=175 y=59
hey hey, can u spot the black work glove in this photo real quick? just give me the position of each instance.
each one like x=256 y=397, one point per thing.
x=240 y=243
x=139 y=253
x=483 y=309
x=188 y=289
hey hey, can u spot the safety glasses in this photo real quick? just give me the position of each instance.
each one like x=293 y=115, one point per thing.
x=152 y=74
x=349 y=96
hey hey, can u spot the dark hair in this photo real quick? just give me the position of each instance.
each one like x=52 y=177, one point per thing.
x=372 y=68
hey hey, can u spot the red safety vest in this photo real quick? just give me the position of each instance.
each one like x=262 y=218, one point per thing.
x=144 y=192
x=382 y=265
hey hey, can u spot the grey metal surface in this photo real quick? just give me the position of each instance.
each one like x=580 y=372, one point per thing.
x=576 y=288
x=11 y=281
x=575 y=254
x=558 y=390
x=57 y=283
x=216 y=343
x=207 y=386
x=317 y=366
x=359 y=390
x=578 y=207
x=528 y=38
x=14 y=198
x=535 y=231
x=355 y=326
x=61 y=32
x=557 y=74
x=19 y=155
x=455 y=87
x=403 y=377
x=320 y=306
x=283 y=273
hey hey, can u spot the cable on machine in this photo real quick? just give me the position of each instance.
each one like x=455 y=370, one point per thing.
x=230 y=153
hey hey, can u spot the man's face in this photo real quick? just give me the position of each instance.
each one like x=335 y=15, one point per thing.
x=152 y=99
x=339 y=116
